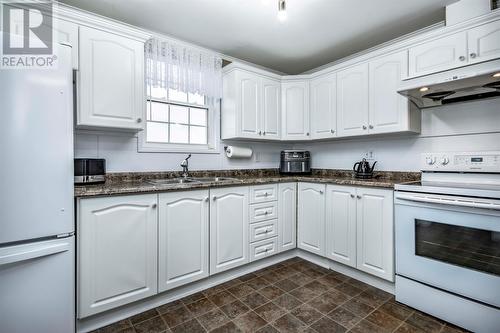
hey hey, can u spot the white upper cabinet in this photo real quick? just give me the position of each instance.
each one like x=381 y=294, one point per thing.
x=438 y=55
x=390 y=112
x=341 y=224
x=287 y=216
x=117 y=252
x=111 y=92
x=251 y=106
x=324 y=107
x=352 y=101
x=228 y=228
x=183 y=238
x=271 y=109
x=484 y=42
x=375 y=229
x=311 y=218
x=67 y=32
x=295 y=108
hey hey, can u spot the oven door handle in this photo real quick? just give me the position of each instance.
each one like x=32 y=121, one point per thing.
x=450 y=202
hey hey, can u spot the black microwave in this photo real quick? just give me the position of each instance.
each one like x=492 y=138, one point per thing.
x=90 y=170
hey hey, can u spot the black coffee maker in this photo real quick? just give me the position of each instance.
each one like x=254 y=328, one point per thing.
x=363 y=170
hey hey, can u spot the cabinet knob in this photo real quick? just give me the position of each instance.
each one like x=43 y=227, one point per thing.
x=266 y=194
x=139 y=120
x=154 y=206
x=370 y=127
x=207 y=199
x=264 y=133
x=358 y=196
x=307 y=133
x=461 y=58
x=266 y=212
x=364 y=127
x=320 y=192
x=352 y=195
x=214 y=198
x=473 y=55
x=260 y=132
x=332 y=131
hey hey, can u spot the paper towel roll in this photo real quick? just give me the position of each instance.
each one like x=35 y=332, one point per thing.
x=238 y=152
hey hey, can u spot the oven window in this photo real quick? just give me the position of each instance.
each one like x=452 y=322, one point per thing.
x=466 y=247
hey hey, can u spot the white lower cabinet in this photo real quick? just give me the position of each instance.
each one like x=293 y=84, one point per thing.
x=311 y=218
x=228 y=228
x=117 y=251
x=287 y=216
x=375 y=232
x=182 y=238
x=341 y=224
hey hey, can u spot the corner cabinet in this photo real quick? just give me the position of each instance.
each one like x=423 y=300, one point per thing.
x=111 y=91
x=295 y=110
x=251 y=106
x=228 y=228
x=117 y=251
x=287 y=216
x=182 y=238
x=311 y=218
x=484 y=42
x=324 y=107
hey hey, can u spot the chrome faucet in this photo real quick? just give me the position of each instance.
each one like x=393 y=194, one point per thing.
x=185 y=165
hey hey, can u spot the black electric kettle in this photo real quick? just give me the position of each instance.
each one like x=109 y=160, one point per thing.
x=363 y=169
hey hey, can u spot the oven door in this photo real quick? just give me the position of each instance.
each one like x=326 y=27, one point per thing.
x=449 y=242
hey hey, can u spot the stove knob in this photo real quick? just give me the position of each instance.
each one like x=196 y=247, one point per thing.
x=445 y=160
x=430 y=160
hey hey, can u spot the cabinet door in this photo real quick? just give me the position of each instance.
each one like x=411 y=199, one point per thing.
x=67 y=32
x=287 y=216
x=341 y=224
x=117 y=251
x=311 y=218
x=271 y=109
x=324 y=107
x=295 y=105
x=111 y=81
x=389 y=110
x=352 y=99
x=228 y=228
x=183 y=238
x=249 y=103
x=484 y=42
x=375 y=225
x=438 y=55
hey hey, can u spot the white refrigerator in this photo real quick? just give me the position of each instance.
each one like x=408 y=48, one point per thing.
x=37 y=242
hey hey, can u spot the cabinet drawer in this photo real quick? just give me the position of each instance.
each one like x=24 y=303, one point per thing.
x=263 y=193
x=263 y=230
x=262 y=249
x=263 y=211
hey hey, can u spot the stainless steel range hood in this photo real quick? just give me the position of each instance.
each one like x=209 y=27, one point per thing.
x=468 y=83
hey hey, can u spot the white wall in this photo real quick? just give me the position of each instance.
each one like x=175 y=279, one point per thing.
x=473 y=126
x=460 y=127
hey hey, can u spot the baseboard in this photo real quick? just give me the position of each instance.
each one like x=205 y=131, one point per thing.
x=111 y=316
x=347 y=270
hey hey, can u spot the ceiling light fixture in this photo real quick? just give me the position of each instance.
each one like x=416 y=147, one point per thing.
x=281 y=10
x=496 y=74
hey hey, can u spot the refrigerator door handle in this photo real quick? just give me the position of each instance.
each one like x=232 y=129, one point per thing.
x=25 y=252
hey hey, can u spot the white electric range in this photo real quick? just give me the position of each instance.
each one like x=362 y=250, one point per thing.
x=447 y=230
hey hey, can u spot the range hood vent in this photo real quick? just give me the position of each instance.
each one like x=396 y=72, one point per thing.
x=475 y=82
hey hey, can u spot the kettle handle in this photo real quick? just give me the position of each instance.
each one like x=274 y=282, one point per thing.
x=373 y=166
x=354 y=167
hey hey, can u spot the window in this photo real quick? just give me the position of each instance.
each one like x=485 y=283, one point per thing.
x=176 y=117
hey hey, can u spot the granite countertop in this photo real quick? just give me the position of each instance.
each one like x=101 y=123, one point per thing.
x=133 y=183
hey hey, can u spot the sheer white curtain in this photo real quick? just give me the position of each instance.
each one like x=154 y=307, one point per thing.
x=179 y=67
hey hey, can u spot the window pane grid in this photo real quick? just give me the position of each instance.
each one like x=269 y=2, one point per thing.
x=178 y=132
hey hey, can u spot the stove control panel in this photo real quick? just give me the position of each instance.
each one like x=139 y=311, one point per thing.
x=488 y=161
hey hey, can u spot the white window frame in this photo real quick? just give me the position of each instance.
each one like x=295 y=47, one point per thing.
x=212 y=146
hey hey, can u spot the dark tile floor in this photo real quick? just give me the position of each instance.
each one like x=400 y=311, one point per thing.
x=292 y=296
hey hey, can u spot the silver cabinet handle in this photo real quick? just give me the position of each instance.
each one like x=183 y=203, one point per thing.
x=139 y=120
x=352 y=195
x=332 y=131
x=371 y=126
x=364 y=127
x=307 y=133
x=473 y=55
x=461 y=58
x=266 y=212
x=320 y=192
x=264 y=133
x=260 y=132
x=207 y=199
x=266 y=194
x=154 y=206
x=359 y=197
x=214 y=198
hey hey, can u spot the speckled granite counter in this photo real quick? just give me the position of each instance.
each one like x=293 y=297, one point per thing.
x=130 y=183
